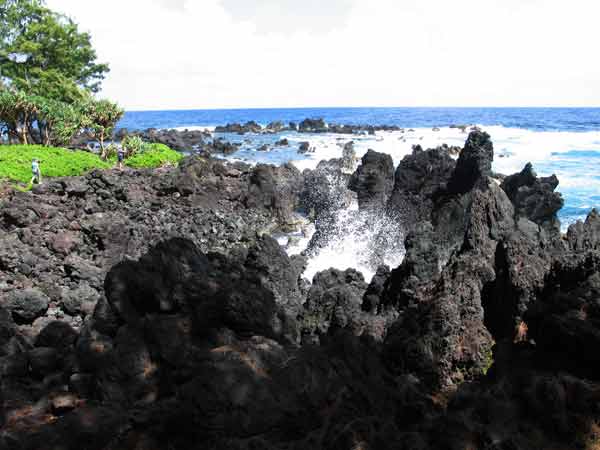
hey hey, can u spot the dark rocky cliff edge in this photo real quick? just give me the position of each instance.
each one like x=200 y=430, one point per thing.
x=151 y=310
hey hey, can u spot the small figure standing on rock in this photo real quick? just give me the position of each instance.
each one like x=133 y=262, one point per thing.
x=120 y=157
x=35 y=170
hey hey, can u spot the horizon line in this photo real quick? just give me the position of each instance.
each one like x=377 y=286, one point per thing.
x=263 y=108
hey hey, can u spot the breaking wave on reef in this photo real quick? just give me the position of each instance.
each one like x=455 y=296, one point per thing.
x=361 y=240
x=571 y=155
x=561 y=141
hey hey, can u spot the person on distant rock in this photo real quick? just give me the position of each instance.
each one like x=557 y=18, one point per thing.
x=35 y=170
x=120 y=157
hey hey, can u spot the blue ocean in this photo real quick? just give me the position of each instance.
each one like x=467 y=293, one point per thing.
x=563 y=141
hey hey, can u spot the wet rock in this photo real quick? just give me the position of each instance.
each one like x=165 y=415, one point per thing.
x=334 y=303
x=221 y=146
x=312 y=126
x=248 y=127
x=373 y=181
x=374 y=292
x=324 y=188
x=304 y=147
x=276 y=126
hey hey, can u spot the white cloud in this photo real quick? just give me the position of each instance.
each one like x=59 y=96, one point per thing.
x=289 y=16
x=168 y=54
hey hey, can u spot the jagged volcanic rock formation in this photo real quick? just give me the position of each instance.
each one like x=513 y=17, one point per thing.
x=152 y=310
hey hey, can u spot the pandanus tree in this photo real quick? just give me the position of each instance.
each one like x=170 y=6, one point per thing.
x=17 y=112
x=101 y=117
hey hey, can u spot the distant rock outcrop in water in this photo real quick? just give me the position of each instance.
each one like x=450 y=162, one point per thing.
x=151 y=310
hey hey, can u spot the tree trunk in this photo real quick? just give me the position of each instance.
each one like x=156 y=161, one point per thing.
x=24 y=130
x=102 y=148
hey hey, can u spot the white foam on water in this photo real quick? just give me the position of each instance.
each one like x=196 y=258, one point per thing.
x=360 y=240
x=356 y=240
x=207 y=128
x=514 y=147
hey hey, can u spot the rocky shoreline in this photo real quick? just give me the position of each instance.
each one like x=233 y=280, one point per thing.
x=152 y=309
x=207 y=142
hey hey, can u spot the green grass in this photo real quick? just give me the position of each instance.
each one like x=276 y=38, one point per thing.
x=15 y=162
x=154 y=155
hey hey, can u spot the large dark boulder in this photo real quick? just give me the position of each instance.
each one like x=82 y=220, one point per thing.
x=441 y=337
x=421 y=265
x=197 y=175
x=474 y=163
x=175 y=276
x=58 y=335
x=373 y=180
x=419 y=178
x=334 y=302
x=249 y=127
x=312 y=126
x=534 y=197
x=324 y=188
x=276 y=189
x=221 y=146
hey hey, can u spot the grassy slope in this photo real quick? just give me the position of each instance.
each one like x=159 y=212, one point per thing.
x=15 y=161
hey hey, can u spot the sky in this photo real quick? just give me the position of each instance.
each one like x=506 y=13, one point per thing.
x=200 y=54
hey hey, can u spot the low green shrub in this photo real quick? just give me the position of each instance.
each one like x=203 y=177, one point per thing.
x=154 y=155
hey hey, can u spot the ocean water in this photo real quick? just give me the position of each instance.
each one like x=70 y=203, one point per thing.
x=561 y=141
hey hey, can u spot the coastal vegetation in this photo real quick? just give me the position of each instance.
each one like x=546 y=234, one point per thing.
x=153 y=155
x=15 y=160
x=48 y=78
x=49 y=75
